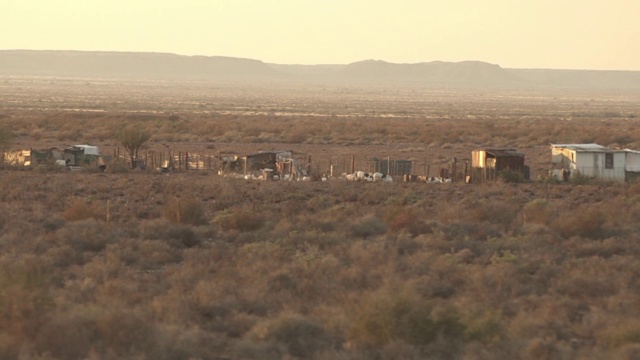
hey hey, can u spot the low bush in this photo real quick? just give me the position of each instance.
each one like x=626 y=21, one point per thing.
x=538 y=211
x=584 y=221
x=81 y=209
x=404 y=318
x=176 y=235
x=184 y=211
x=299 y=336
x=88 y=235
x=368 y=226
x=510 y=176
x=240 y=220
x=117 y=167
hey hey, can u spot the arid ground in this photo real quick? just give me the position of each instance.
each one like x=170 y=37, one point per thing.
x=191 y=265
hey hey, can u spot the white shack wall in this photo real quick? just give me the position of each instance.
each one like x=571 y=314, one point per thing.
x=632 y=162
x=592 y=164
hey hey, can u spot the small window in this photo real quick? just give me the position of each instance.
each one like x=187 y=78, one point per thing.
x=608 y=161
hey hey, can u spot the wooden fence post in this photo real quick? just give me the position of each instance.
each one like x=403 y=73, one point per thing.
x=454 y=162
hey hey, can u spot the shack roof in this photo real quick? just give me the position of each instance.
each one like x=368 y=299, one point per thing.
x=503 y=152
x=88 y=149
x=583 y=147
x=284 y=153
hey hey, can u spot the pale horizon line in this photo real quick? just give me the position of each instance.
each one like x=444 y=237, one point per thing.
x=312 y=64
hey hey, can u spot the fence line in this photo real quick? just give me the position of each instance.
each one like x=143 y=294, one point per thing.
x=317 y=165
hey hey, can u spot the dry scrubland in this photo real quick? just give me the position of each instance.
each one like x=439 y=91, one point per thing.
x=131 y=264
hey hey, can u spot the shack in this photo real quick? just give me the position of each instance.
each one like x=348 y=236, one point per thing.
x=31 y=157
x=280 y=164
x=73 y=156
x=78 y=155
x=590 y=160
x=489 y=164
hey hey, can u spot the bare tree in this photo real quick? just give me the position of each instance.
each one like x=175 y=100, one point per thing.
x=132 y=139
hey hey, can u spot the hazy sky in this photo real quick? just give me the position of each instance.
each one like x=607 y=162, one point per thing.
x=563 y=34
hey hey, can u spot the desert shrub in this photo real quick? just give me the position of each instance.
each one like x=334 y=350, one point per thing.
x=84 y=235
x=628 y=352
x=51 y=223
x=145 y=254
x=249 y=349
x=634 y=188
x=368 y=226
x=67 y=335
x=241 y=220
x=622 y=334
x=185 y=342
x=312 y=237
x=580 y=179
x=543 y=349
x=117 y=166
x=510 y=176
x=581 y=286
x=300 y=336
x=406 y=218
x=400 y=317
x=538 y=211
x=283 y=282
x=584 y=221
x=26 y=300
x=180 y=211
x=63 y=256
x=605 y=248
x=176 y=235
x=443 y=279
x=124 y=333
x=81 y=209
x=367 y=259
x=36 y=134
x=10 y=347
x=485 y=329
x=502 y=257
x=407 y=245
x=465 y=231
x=492 y=211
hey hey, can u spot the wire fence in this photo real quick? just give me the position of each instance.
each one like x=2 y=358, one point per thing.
x=314 y=164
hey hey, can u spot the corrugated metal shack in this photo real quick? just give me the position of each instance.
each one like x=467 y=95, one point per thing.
x=259 y=161
x=75 y=156
x=487 y=164
x=246 y=164
x=78 y=155
x=31 y=157
x=590 y=160
x=279 y=163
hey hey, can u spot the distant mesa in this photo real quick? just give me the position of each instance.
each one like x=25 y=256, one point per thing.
x=130 y=65
x=164 y=66
x=465 y=73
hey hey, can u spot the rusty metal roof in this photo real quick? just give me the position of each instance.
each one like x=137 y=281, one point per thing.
x=503 y=152
x=583 y=147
